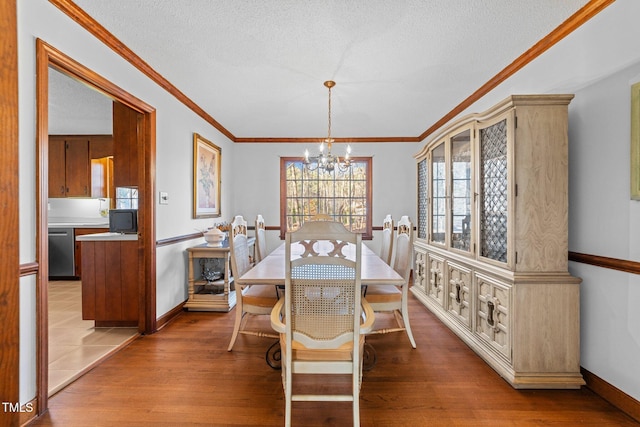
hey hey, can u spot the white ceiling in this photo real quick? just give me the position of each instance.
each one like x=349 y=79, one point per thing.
x=75 y=108
x=258 y=66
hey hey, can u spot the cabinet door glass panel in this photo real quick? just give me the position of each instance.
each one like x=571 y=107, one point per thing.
x=438 y=189
x=493 y=191
x=461 y=191
x=422 y=198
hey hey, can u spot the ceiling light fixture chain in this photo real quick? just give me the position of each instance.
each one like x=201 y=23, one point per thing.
x=329 y=84
x=327 y=162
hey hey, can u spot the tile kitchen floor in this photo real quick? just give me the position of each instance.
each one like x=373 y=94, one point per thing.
x=75 y=345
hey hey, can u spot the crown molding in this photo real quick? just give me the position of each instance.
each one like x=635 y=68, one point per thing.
x=585 y=13
x=319 y=140
x=94 y=27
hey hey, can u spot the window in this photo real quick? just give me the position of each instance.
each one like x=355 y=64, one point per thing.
x=345 y=196
x=126 y=198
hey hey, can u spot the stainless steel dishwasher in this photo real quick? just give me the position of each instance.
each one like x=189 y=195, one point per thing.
x=61 y=252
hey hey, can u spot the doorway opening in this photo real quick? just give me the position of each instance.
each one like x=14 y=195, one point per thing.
x=143 y=139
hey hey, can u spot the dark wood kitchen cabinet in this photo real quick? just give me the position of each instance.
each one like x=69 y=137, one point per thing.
x=69 y=167
x=57 y=175
x=77 y=254
x=70 y=164
x=110 y=282
x=126 y=123
x=100 y=146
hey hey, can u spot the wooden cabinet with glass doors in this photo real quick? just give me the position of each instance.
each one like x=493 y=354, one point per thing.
x=492 y=239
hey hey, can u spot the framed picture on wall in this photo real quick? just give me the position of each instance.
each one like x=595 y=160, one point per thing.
x=207 y=162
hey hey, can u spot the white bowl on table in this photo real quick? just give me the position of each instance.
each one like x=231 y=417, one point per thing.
x=214 y=238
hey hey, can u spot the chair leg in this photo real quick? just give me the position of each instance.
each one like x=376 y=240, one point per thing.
x=287 y=378
x=236 y=327
x=356 y=398
x=407 y=325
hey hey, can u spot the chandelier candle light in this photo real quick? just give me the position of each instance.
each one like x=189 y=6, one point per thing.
x=327 y=161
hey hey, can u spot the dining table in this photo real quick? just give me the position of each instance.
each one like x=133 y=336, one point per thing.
x=271 y=271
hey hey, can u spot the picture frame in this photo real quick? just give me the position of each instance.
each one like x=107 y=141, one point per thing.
x=635 y=141
x=207 y=165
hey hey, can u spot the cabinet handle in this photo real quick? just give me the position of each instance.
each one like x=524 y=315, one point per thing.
x=458 y=291
x=493 y=313
x=435 y=277
x=62 y=189
x=490 y=311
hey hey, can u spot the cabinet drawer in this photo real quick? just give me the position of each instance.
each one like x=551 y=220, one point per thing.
x=436 y=278
x=459 y=294
x=493 y=301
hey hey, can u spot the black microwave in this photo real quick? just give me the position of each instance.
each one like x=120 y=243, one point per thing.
x=123 y=220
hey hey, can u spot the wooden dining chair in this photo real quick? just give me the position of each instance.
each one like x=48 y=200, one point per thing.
x=386 y=248
x=261 y=243
x=322 y=320
x=387 y=298
x=252 y=299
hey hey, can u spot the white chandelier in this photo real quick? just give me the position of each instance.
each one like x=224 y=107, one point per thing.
x=327 y=161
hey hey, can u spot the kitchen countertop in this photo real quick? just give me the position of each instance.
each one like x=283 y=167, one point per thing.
x=114 y=237
x=76 y=222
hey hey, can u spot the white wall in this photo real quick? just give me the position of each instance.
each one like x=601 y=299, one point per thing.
x=604 y=221
x=174 y=132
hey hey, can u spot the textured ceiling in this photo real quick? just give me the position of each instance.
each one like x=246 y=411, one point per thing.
x=75 y=108
x=258 y=67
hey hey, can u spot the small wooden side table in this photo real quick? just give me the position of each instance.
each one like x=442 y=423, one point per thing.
x=211 y=295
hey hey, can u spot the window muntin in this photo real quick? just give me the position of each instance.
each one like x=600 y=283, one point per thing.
x=345 y=196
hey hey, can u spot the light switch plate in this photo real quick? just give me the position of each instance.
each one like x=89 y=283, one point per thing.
x=164 y=198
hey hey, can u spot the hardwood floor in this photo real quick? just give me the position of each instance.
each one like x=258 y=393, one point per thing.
x=183 y=375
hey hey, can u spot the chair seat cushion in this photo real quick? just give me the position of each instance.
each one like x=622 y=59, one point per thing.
x=382 y=293
x=260 y=295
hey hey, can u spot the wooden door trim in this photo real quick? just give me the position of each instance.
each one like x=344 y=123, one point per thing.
x=47 y=56
x=9 y=262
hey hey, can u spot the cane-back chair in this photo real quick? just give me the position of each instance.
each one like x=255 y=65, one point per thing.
x=322 y=319
x=386 y=249
x=387 y=298
x=252 y=299
x=261 y=242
